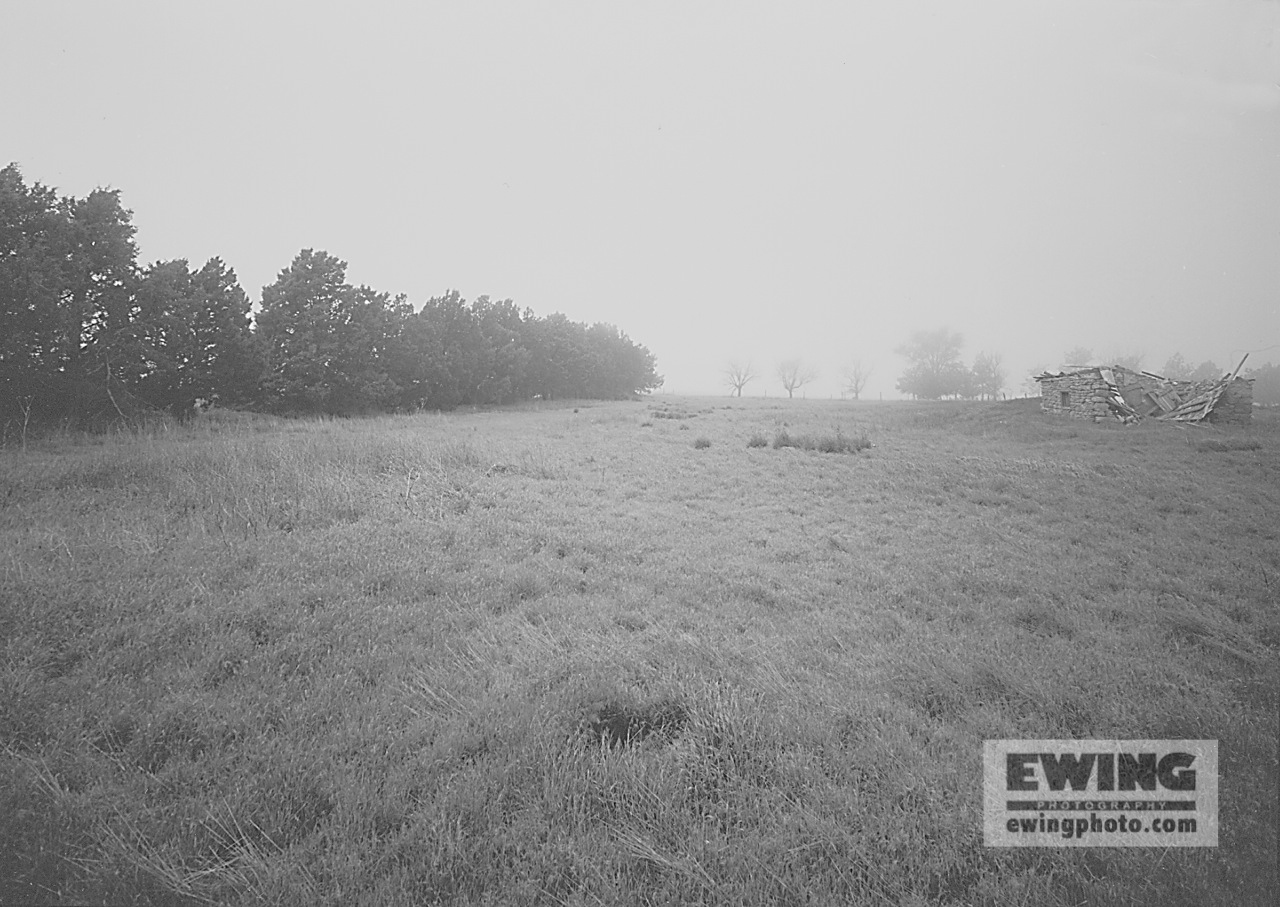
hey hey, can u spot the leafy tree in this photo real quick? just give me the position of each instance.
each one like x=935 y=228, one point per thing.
x=988 y=375
x=1077 y=356
x=359 y=378
x=452 y=353
x=855 y=378
x=1206 y=371
x=195 y=338
x=505 y=363
x=935 y=369
x=328 y=345
x=1177 y=368
x=35 y=246
x=462 y=349
x=739 y=375
x=621 y=366
x=99 y=299
x=415 y=362
x=1030 y=387
x=1132 y=361
x=229 y=356
x=67 y=281
x=794 y=375
x=1266 y=384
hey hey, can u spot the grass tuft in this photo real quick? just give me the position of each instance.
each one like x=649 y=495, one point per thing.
x=834 y=442
x=1228 y=444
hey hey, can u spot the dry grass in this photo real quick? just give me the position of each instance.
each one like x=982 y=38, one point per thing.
x=557 y=655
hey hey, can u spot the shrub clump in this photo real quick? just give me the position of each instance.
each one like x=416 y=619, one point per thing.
x=758 y=440
x=701 y=443
x=838 y=442
x=1229 y=444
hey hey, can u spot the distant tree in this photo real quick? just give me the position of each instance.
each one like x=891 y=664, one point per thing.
x=1132 y=361
x=1266 y=384
x=1078 y=356
x=1177 y=368
x=935 y=369
x=738 y=375
x=1030 y=386
x=988 y=375
x=794 y=374
x=855 y=378
x=452 y=353
x=1206 y=371
x=621 y=367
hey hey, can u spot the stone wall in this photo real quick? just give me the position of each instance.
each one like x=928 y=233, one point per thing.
x=1087 y=395
x=1236 y=405
x=1084 y=395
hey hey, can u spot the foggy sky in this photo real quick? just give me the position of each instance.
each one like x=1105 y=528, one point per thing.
x=736 y=180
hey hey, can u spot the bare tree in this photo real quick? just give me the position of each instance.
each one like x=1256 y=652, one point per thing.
x=25 y=404
x=855 y=378
x=988 y=375
x=794 y=374
x=1030 y=386
x=738 y=376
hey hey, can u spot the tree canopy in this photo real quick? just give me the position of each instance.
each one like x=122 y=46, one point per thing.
x=935 y=369
x=86 y=335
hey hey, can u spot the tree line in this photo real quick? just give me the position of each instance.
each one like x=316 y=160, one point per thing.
x=88 y=336
x=935 y=371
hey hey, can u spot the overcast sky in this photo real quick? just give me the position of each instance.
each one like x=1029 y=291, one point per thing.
x=720 y=180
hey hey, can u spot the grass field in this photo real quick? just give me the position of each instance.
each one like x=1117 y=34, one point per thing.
x=672 y=651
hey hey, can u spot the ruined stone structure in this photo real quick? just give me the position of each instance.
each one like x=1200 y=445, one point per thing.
x=1114 y=392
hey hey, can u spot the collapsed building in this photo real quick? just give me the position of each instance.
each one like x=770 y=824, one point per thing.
x=1114 y=392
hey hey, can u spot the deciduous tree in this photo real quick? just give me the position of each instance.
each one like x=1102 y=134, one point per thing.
x=1132 y=360
x=794 y=374
x=739 y=375
x=935 y=369
x=1077 y=357
x=1266 y=384
x=1177 y=368
x=327 y=343
x=68 y=271
x=988 y=375
x=195 y=336
x=1206 y=371
x=855 y=378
